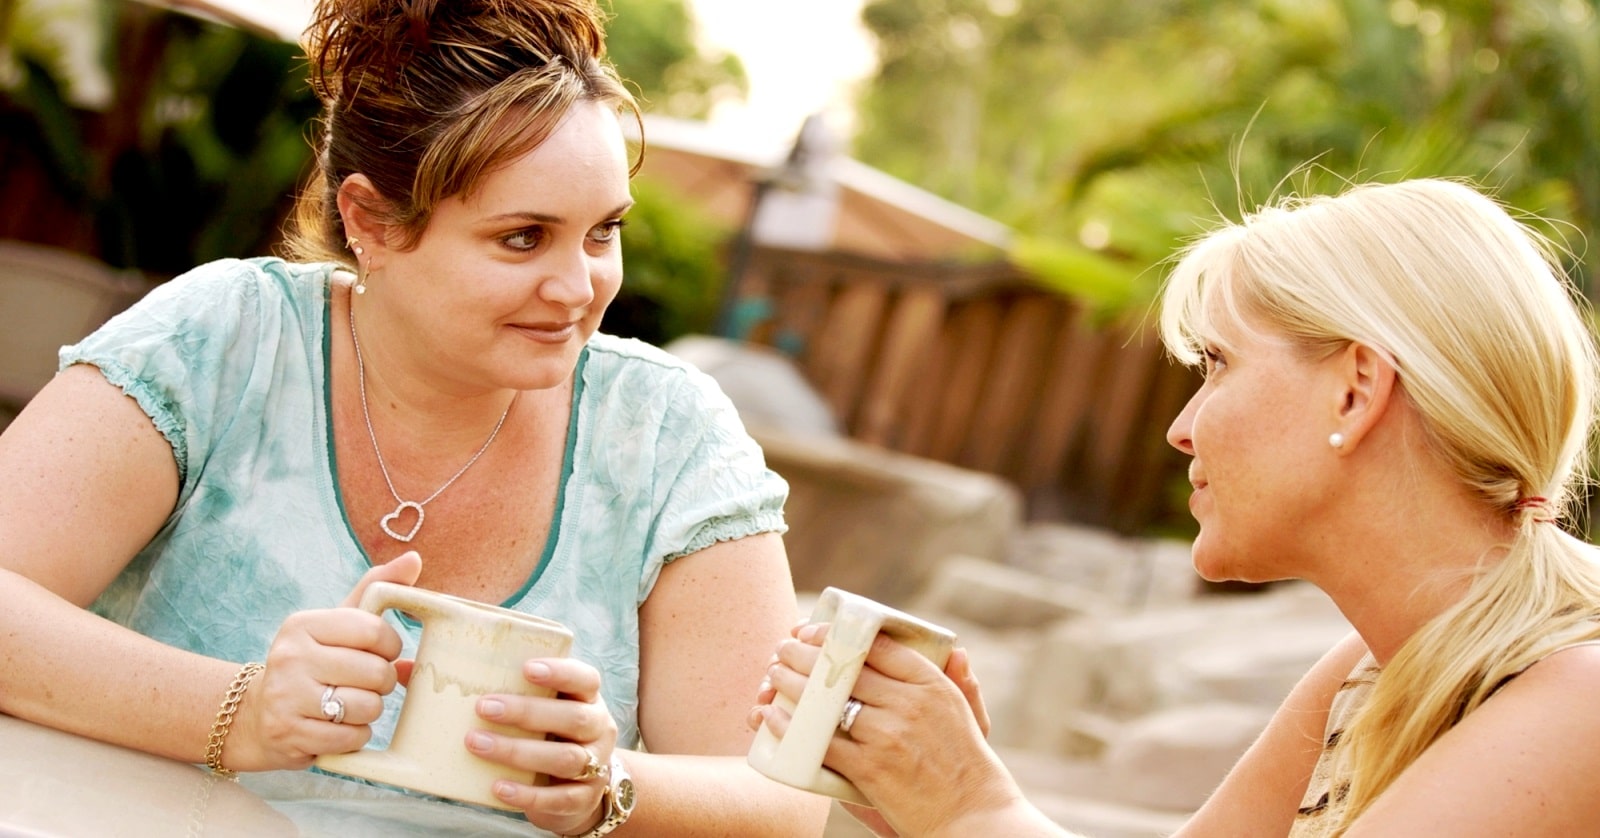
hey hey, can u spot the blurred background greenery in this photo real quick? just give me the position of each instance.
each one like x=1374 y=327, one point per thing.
x=1104 y=133
x=172 y=141
x=1107 y=133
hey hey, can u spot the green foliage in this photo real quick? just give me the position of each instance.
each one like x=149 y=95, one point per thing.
x=1119 y=128
x=652 y=43
x=673 y=269
x=198 y=150
x=193 y=154
x=1105 y=283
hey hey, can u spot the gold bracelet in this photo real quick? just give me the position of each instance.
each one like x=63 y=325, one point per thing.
x=230 y=705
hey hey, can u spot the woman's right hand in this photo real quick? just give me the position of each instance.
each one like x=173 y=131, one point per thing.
x=280 y=723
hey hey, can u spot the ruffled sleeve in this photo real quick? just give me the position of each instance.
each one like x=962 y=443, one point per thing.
x=184 y=353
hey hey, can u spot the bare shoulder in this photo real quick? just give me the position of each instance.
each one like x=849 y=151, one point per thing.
x=1572 y=665
x=1522 y=763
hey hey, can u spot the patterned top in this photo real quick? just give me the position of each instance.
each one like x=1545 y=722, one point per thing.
x=230 y=361
x=1322 y=802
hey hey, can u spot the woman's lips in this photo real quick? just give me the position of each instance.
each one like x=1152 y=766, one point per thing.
x=547 y=332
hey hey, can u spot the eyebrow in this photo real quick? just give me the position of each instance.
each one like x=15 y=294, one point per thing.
x=544 y=218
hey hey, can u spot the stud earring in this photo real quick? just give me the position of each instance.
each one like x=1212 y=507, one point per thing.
x=1336 y=439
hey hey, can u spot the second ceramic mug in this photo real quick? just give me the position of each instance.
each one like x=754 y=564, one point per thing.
x=467 y=650
x=854 y=622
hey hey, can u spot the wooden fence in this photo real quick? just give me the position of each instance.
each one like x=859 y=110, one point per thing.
x=979 y=367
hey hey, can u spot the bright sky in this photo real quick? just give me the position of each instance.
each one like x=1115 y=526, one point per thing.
x=802 y=56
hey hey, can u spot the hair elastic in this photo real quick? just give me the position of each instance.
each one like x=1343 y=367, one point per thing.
x=1539 y=505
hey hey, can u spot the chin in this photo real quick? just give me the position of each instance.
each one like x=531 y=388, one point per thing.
x=1215 y=564
x=1219 y=571
x=543 y=373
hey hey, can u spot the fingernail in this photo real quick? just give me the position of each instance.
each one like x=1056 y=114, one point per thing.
x=491 y=708
x=766 y=685
x=477 y=740
x=756 y=717
x=538 y=671
x=808 y=633
x=504 y=789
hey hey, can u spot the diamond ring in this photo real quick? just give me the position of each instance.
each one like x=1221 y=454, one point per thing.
x=332 y=706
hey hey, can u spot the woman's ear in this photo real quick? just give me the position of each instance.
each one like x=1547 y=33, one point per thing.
x=1368 y=379
x=359 y=208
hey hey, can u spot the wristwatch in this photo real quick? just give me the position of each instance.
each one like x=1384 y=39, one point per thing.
x=616 y=801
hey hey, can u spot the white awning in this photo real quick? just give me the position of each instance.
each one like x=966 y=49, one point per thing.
x=282 y=19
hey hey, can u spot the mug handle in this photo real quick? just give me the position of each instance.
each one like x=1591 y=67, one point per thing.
x=373 y=763
x=854 y=622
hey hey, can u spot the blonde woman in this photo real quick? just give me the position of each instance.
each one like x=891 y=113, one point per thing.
x=1398 y=402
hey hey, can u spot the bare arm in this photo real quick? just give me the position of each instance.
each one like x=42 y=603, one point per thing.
x=87 y=482
x=707 y=631
x=1262 y=793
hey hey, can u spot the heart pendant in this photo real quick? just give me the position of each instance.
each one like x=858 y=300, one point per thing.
x=398 y=511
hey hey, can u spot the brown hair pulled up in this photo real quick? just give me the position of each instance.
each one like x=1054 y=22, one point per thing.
x=426 y=97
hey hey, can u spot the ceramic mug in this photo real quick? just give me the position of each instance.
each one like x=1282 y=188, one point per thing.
x=467 y=650
x=854 y=622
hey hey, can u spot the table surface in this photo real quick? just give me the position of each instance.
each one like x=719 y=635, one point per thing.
x=56 y=784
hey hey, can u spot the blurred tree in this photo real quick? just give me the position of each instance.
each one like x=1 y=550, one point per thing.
x=652 y=42
x=672 y=258
x=1109 y=132
x=161 y=141
x=177 y=143
x=672 y=255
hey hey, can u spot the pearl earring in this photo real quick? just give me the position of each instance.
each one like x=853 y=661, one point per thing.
x=1336 y=439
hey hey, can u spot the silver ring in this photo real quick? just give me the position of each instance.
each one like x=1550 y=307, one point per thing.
x=332 y=706
x=594 y=768
x=847 y=719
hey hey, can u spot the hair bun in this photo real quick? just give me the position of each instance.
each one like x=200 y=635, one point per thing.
x=419 y=14
x=350 y=41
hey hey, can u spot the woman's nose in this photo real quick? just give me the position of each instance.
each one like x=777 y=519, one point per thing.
x=570 y=282
x=1180 y=432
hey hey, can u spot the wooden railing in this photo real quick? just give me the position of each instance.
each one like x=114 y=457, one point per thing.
x=979 y=367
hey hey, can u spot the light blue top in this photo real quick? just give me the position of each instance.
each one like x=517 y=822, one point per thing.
x=230 y=361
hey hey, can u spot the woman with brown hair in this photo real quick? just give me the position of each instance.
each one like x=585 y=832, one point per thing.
x=422 y=398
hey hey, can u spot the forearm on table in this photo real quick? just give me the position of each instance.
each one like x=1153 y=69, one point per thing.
x=716 y=795
x=66 y=668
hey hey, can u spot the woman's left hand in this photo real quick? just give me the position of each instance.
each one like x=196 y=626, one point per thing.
x=576 y=755
x=916 y=748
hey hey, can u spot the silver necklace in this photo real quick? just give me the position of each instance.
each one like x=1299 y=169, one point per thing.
x=385 y=521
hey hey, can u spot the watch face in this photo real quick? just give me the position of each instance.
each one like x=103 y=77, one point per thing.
x=624 y=795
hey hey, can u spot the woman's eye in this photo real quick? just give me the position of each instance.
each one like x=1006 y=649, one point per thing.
x=1214 y=361
x=524 y=239
x=608 y=232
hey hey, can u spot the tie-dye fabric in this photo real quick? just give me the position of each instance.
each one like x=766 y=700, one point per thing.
x=230 y=361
